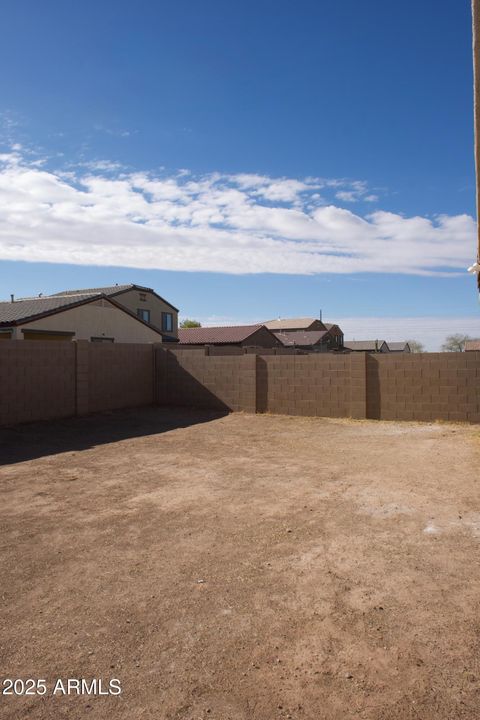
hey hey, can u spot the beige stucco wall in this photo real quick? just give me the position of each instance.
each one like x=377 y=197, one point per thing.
x=96 y=319
x=131 y=300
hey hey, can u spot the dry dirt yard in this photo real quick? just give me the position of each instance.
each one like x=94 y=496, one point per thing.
x=242 y=567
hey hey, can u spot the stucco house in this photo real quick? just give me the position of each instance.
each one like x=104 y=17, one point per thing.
x=141 y=301
x=93 y=317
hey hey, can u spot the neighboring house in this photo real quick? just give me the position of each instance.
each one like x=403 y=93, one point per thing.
x=337 y=333
x=366 y=346
x=97 y=318
x=399 y=346
x=472 y=345
x=239 y=335
x=294 y=324
x=141 y=301
x=312 y=340
x=283 y=326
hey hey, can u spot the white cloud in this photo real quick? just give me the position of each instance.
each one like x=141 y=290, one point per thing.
x=100 y=214
x=346 y=196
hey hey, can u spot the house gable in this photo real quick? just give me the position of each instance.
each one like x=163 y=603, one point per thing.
x=145 y=303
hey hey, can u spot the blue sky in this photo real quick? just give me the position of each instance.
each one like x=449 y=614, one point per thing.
x=246 y=160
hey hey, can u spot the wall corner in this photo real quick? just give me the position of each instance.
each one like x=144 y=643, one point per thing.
x=358 y=385
x=81 y=377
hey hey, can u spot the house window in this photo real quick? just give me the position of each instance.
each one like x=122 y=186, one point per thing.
x=102 y=339
x=143 y=297
x=167 y=322
x=143 y=314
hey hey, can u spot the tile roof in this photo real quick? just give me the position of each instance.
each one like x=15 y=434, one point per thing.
x=398 y=346
x=112 y=290
x=366 y=345
x=28 y=308
x=472 y=345
x=216 y=335
x=301 y=337
x=109 y=290
x=293 y=323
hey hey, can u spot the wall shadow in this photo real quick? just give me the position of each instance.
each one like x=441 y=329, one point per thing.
x=374 y=400
x=262 y=385
x=177 y=387
x=40 y=439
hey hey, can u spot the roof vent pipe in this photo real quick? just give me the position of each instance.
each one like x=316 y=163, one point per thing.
x=12 y=298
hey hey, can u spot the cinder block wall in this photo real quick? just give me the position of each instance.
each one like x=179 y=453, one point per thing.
x=45 y=380
x=305 y=384
x=430 y=386
x=193 y=379
x=119 y=375
x=37 y=380
x=426 y=386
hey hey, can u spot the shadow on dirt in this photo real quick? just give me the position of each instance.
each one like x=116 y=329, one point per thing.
x=35 y=440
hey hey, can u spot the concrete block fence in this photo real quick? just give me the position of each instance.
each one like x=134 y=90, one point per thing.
x=47 y=380
x=426 y=386
x=42 y=380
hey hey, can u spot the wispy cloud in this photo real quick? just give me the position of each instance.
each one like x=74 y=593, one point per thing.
x=101 y=214
x=358 y=191
x=116 y=132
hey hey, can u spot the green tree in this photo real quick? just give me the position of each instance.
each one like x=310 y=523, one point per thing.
x=415 y=346
x=455 y=343
x=187 y=323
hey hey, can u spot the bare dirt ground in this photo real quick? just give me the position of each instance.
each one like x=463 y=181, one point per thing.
x=242 y=567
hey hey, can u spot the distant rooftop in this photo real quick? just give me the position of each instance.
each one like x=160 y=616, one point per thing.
x=279 y=324
x=216 y=335
x=366 y=345
x=472 y=345
x=398 y=346
x=302 y=338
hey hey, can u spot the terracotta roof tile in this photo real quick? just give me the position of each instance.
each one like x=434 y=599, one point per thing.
x=300 y=337
x=472 y=345
x=366 y=345
x=11 y=312
x=216 y=335
x=109 y=290
x=398 y=346
x=279 y=324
